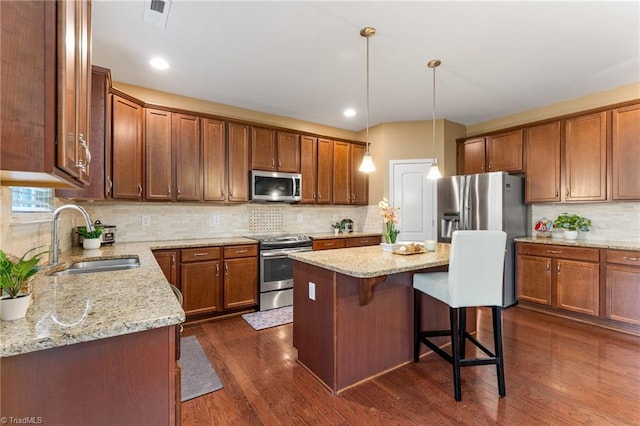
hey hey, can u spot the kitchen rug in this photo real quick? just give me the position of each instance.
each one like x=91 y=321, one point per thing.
x=198 y=376
x=268 y=319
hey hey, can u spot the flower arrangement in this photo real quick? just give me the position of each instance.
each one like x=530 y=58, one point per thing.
x=390 y=220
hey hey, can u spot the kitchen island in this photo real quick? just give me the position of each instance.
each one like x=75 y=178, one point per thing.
x=353 y=311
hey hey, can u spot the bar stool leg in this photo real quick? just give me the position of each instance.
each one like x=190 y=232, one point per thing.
x=463 y=330
x=455 y=351
x=497 y=338
x=417 y=314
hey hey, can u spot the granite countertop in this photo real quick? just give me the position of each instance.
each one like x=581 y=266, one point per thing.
x=617 y=245
x=331 y=235
x=80 y=308
x=372 y=261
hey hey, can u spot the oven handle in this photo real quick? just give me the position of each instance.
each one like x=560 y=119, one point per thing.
x=283 y=253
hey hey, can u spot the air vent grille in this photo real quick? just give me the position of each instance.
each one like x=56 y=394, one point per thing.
x=156 y=12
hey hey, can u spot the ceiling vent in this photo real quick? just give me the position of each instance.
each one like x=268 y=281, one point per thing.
x=156 y=12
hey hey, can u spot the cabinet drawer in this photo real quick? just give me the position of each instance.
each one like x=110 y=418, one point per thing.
x=564 y=252
x=247 y=250
x=622 y=257
x=363 y=241
x=329 y=244
x=200 y=254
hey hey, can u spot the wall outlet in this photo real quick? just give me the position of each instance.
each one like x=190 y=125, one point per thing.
x=312 y=290
x=299 y=217
x=145 y=220
x=216 y=219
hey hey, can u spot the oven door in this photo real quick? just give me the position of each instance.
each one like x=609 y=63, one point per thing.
x=276 y=269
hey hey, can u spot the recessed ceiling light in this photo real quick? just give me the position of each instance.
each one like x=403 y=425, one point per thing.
x=159 y=63
x=349 y=112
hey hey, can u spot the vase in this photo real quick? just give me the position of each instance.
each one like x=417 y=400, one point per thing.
x=390 y=246
x=13 y=309
x=570 y=235
x=91 y=243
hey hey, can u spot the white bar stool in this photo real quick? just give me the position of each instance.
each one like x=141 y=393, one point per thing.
x=476 y=269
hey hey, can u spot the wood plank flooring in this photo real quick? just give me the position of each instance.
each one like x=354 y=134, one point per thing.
x=558 y=372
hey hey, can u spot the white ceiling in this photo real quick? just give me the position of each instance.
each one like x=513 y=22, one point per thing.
x=307 y=60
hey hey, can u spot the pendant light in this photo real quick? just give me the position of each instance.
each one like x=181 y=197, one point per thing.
x=434 y=171
x=367 y=162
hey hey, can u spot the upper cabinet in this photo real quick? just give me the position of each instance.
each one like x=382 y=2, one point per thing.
x=585 y=158
x=494 y=153
x=157 y=152
x=324 y=176
x=275 y=151
x=45 y=93
x=126 y=147
x=542 y=166
x=309 y=169
x=238 y=162
x=625 y=149
x=214 y=154
x=359 y=180
x=350 y=186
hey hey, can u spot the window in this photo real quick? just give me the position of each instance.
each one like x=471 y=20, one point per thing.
x=31 y=200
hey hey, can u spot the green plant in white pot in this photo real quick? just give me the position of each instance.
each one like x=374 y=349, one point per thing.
x=571 y=223
x=14 y=279
x=91 y=239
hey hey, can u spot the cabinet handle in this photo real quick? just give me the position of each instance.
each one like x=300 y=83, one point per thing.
x=273 y=163
x=483 y=167
x=567 y=192
x=558 y=267
x=548 y=266
x=222 y=191
x=279 y=163
x=139 y=190
x=109 y=185
x=240 y=251
x=201 y=254
x=319 y=195
x=329 y=244
x=556 y=193
x=226 y=269
x=635 y=259
x=217 y=269
x=489 y=165
x=82 y=164
x=554 y=251
x=178 y=189
x=313 y=195
x=169 y=190
x=173 y=261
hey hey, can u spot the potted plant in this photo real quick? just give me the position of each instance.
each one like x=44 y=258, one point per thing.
x=571 y=223
x=337 y=227
x=14 y=278
x=91 y=239
x=389 y=221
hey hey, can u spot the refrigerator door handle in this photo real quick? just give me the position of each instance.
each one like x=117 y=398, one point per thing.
x=466 y=209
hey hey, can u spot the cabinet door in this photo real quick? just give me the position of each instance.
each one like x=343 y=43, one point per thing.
x=533 y=279
x=84 y=91
x=263 y=149
x=623 y=293
x=363 y=241
x=578 y=285
x=158 y=159
x=288 y=152
x=201 y=286
x=238 y=162
x=542 y=167
x=626 y=152
x=214 y=160
x=127 y=149
x=333 y=243
x=186 y=146
x=240 y=282
x=309 y=168
x=167 y=259
x=473 y=157
x=341 y=173
x=504 y=152
x=359 y=180
x=586 y=158
x=325 y=171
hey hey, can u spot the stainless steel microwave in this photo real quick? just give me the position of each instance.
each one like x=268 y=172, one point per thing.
x=275 y=186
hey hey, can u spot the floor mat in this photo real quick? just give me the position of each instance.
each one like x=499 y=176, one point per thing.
x=270 y=318
x=198 y=376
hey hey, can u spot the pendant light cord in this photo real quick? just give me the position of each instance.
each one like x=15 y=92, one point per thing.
x=434 y=116
x=367 y=106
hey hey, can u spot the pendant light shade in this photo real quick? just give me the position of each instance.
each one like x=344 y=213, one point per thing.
x=434 y=171
x=367 y=165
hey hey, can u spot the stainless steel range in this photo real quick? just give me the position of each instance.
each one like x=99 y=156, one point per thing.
x=276 y=269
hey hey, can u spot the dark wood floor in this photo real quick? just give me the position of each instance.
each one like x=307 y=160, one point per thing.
x=557 y=372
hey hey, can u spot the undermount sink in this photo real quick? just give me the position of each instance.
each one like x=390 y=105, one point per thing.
x=100 y=265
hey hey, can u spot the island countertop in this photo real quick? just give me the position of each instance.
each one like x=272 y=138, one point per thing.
x=372 y=261
x=80 y=308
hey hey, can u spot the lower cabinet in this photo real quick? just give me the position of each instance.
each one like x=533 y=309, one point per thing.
x=342 y=242
x=599 y=286
x=214 y=280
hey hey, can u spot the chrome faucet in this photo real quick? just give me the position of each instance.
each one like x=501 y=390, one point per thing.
x=53 y=254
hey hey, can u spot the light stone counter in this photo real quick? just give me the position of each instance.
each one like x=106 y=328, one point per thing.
x=371 y=261
x=79 y=308
x=615 y=245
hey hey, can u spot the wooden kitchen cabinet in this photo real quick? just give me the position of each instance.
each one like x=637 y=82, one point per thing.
x=44 y=100
x=324 y=175
x=185 y=137
x=238 y=149
x=214 y=154
x=168 y=261
x=585 y=157
x=309 y=169
x=493 y=153
x=371 y=240
x=157 y=152
x=333 y=243
x=542 y=165
x=240 y=276
x=623 y=286
x=560 y=277
x=625 y=173
x=359 y=180
x=127 y=147
x=201 y=280
x=341 y=173
x=275 y=151
x=288 y=148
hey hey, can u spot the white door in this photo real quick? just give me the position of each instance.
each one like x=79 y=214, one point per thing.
x=415 y=195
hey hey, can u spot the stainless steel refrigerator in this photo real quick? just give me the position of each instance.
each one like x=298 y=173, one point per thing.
x=485 y=201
